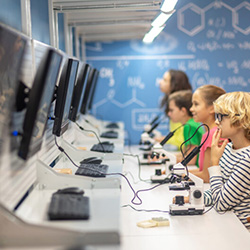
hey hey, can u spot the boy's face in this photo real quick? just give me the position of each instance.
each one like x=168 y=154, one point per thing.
x=227 y=131
x=174 y=113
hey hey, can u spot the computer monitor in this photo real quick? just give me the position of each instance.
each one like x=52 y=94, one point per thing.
x=64 y=96
x=12 y=48
x=89 y=85
x=78 y=93
x=39 y=102
x=93 y=88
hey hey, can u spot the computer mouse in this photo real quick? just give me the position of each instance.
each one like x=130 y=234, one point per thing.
x=112 y=125
x=111 y=131
x=70 y=190
x=93 y=160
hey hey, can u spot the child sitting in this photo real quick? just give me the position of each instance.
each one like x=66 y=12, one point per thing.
x=179 y=104
x=230 y=162
x=203 y=111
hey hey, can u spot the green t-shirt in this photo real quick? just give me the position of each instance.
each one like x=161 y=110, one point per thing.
x=189 y=130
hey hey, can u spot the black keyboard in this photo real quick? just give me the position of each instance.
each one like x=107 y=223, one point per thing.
x=93 y=170
x=68 y=207
x=105 y=148
x=112 y=125
x=110 y=134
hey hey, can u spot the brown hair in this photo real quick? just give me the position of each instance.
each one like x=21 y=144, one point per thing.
x=210 y=93
x=178 y=81
x=182 y=99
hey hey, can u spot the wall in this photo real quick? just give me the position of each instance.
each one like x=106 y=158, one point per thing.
x=209 y=40
x=10 y=13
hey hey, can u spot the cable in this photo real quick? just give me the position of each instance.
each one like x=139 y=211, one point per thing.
x=139 y=165
x=62 y=150
x=194 y=134
x=92 y=131
x=189 y=146
x=195 y=151
x=110 y=174
x=87 y=121
x=145 y=210
x=209 y=208
x=129 y=141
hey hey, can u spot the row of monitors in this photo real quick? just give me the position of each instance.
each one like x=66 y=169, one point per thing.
x=26 y=111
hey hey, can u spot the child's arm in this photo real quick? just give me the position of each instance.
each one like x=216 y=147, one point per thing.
x=206 y=164
x=236 y=188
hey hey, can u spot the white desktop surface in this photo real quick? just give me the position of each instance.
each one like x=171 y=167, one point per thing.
x=199 y=232
x=103 y=204
x=88 y=139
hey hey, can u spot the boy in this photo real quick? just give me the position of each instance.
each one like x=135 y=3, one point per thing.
x=179 y=104
x=230 y=162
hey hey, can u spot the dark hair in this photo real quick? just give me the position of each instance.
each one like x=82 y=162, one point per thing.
x=178 y=81
x=182 y=99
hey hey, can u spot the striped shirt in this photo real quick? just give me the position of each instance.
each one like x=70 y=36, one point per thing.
x=230 y=183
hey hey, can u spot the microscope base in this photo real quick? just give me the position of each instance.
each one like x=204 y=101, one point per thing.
x=159 y=178
x=185 y=210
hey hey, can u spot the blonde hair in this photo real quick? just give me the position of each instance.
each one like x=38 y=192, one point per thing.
x=210 y=93
x=237 y=106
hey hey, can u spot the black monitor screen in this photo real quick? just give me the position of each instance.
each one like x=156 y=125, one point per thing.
x=90 y=80
x=12 y=47
x=78 y=93
x=39 y=102
x=64 y=96
x=93 y=88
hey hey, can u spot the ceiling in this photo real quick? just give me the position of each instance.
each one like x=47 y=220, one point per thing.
x=102 y=20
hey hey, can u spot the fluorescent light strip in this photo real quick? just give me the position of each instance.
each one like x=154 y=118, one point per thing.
x=154 y=32
x=161 y=19
x=168 y=5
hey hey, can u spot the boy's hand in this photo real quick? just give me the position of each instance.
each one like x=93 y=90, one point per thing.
x=217 y=147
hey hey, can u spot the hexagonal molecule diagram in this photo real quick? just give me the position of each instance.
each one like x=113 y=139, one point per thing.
x=239 y=24
x=191 y=19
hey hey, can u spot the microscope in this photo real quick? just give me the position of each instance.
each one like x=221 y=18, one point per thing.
x=194 y=205
x=147 y=138
x=185 y=181
x=158 y=151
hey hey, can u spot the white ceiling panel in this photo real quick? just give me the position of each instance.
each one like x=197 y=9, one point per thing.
x=100 y=20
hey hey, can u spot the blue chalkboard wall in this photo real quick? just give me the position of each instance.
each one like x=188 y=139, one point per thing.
x=209 y=40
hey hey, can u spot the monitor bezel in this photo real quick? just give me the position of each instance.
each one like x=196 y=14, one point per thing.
x=59 y=128
x=85 y=100
x=35 y=97
x=77 y=93
x=93 y=89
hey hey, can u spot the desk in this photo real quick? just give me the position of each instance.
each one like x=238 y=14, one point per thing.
x=201 y=232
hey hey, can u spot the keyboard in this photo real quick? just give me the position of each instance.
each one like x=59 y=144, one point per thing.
x=112 y=125
x=93 y=170
x=108 y=148
x=68 y=207
x=110 y=134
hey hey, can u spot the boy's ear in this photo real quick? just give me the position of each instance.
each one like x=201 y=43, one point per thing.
x=184 y=110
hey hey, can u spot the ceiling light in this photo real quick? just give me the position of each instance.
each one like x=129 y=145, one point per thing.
x=161 y=19
x=168 y=5
x=154 y=32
